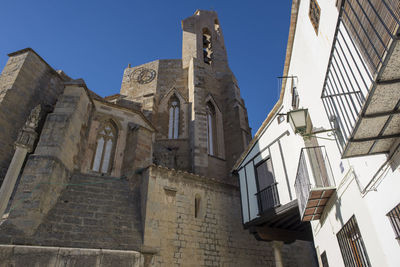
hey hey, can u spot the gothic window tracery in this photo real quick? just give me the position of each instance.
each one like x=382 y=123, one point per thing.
x=211 y=129
x=173 y=126
x=105 y=147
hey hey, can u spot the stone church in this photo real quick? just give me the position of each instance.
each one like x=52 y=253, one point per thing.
x=139 y=178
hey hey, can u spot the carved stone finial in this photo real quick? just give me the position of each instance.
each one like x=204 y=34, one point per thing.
x=34 y=117
x=27 y=135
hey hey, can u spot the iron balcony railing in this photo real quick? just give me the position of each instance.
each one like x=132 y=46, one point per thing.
x=268 y=198
x=313 y=172
x=364 y=33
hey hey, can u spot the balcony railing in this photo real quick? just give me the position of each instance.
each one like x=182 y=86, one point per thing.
x=268 y=198
x=365 y=36
x=314 y=182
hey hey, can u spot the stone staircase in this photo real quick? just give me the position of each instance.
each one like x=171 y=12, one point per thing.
x=94 y=212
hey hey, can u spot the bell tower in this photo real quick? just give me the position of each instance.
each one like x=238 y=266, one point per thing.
x=203 y=40
x=219 y=124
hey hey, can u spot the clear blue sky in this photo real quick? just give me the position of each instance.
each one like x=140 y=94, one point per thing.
x=95 y=40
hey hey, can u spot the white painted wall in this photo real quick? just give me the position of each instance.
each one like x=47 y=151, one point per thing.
x=309 y=62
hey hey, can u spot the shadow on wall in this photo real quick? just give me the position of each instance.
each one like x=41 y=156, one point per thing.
x=334 y=202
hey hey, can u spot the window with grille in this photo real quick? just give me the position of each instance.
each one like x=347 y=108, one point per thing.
x=394 y=217
x=324 y=259
x=314 y=14
x=352 y=245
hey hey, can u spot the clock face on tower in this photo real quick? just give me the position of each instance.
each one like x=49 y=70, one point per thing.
x=143 y=75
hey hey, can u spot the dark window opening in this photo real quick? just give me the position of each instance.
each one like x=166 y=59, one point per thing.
x=267 y=194
x=197 y=206
x=295 y=95
x=211 y=129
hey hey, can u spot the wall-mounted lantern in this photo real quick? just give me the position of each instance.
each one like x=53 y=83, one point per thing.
x=300 y=121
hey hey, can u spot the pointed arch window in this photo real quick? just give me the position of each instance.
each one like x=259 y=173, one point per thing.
x=211 y=129
x=173 y=127
x=105 y=147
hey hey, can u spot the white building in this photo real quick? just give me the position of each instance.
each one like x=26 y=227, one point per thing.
x=329 y=149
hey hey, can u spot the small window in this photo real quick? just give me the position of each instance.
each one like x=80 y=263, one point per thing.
x=394 y=217
x=281 y=118
x=324 y=259
x=211 y=129
x=295 y=95
x=314 y=14
x=197 y=203
x=352 y=245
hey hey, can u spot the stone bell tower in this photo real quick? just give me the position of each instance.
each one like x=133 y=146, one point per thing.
x=219 y=124
x=194 y=102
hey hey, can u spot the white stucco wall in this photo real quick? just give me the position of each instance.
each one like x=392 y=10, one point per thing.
x=309 y=63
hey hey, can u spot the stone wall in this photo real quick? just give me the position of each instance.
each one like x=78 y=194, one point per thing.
x=133 y=148
x=215 y=237
x=21 y=256
x=26 y=81
x=48 y=169
x=173 y=153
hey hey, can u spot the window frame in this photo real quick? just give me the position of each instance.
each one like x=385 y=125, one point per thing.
x=173 y=118
x=394 y=218
x=273 y=187
x=352 y=245
x=256 y=173
x=106 y=138
x=211 y=112
x=314 y=6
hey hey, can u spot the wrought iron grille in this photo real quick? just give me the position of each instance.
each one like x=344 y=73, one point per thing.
x=394 y=217
x=352 y=245
x=364 y=32
x=268 y=198
x=313 y=171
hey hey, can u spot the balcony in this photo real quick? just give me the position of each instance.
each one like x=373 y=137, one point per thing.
x=268 y=198
x=361 y=92
x=314 y=182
